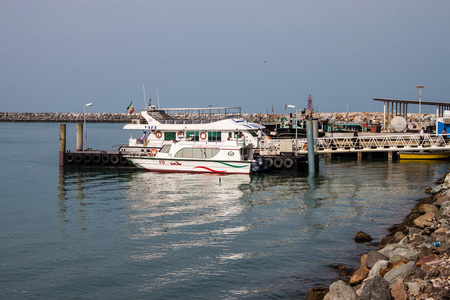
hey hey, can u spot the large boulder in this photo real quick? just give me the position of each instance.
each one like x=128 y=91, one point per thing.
x=398 y=290
x=373 y=257
x=339 y=290
x=375 y=270
x=376 y=288
x=361 y=273
x=402 y=271
x=425 y=220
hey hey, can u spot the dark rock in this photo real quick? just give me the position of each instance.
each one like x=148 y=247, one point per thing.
x=374 y=256
x=316 y=293
x=376 y=288
x=362 y=237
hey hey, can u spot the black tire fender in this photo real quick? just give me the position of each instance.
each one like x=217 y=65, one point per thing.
x=114 y=159
x=78 y=158
x=96 y=159
x=105 y=159
x=70 y=158
x=278 y=163
x=87 y=158
x=288 y=163
x=269 y=162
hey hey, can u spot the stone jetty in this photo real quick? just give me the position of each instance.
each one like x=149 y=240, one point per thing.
x=51 y=117
x=413 y=261
x=351 y=117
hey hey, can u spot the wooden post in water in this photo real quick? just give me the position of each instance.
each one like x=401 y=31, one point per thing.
x=79 y=136
x=62 y=143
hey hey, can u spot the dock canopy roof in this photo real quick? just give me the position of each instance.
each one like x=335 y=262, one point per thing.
x=413 y=102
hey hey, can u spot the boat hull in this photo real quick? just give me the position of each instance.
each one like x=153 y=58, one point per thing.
x=191 y=166
x=424 y=155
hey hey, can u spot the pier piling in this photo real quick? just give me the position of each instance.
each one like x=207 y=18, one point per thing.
x=62 y=143
x=79 y=136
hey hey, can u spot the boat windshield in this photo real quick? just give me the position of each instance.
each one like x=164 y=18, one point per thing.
x=165 y=149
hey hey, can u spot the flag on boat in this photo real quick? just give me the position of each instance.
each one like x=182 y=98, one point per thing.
x=130 y=108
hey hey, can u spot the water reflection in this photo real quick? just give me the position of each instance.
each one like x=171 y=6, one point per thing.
x=161 y=204
x=78 y=190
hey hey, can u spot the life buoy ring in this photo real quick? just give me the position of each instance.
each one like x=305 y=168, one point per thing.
x=203 y=135
x=288 y=163
x=78 y=158
x=115 y=159
x=96 y=159
x=70 y=158
x=269 y=162
x=153 y=152
x=105 y=159
x=158 y=134
x=305 y=146
x=278 y=163
x=87 y=158
x=180 y=134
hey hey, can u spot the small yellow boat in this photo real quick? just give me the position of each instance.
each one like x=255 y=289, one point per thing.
x=424 y=155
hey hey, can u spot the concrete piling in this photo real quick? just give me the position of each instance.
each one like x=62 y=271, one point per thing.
x=79 y=136
x=62 y=143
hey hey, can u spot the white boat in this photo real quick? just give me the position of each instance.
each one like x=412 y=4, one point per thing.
x=200 y=125
x=198 y=157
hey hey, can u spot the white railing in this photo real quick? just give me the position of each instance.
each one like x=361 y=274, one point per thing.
x=375 y=143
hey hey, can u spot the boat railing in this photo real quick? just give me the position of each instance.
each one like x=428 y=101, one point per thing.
x=194 y=115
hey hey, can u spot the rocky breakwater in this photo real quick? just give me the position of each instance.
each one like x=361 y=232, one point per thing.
x=66 y=117
x=413 y=261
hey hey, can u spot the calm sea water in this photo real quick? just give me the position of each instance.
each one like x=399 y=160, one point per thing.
x=128 y=234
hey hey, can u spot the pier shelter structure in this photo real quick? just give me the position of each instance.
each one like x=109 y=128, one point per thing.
x=401 y=107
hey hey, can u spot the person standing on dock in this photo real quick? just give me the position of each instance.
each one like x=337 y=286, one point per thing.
x=259 y=137
x=444 y=134
x=422 y=134
x=355 y=139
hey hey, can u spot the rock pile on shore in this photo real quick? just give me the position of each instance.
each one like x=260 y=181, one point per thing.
x=65 y=117
x=413 y=261
x=352 y=117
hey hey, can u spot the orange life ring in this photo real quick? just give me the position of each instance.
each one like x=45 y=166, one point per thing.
x=180 y=134
x=153 y=152
x=203 y=135
x=158 y=134
x=304 y=146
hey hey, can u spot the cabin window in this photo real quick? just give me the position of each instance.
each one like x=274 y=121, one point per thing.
x=192 y=135
x=253 y=133
x=165 y=149
x=170 y=136
x=197 y=153
x=214 y=136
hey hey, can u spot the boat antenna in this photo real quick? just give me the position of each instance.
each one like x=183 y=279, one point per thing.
x=145 y=101
x=157 y=97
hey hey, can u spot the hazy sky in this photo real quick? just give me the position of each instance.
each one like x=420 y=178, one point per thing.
x=56 y=56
